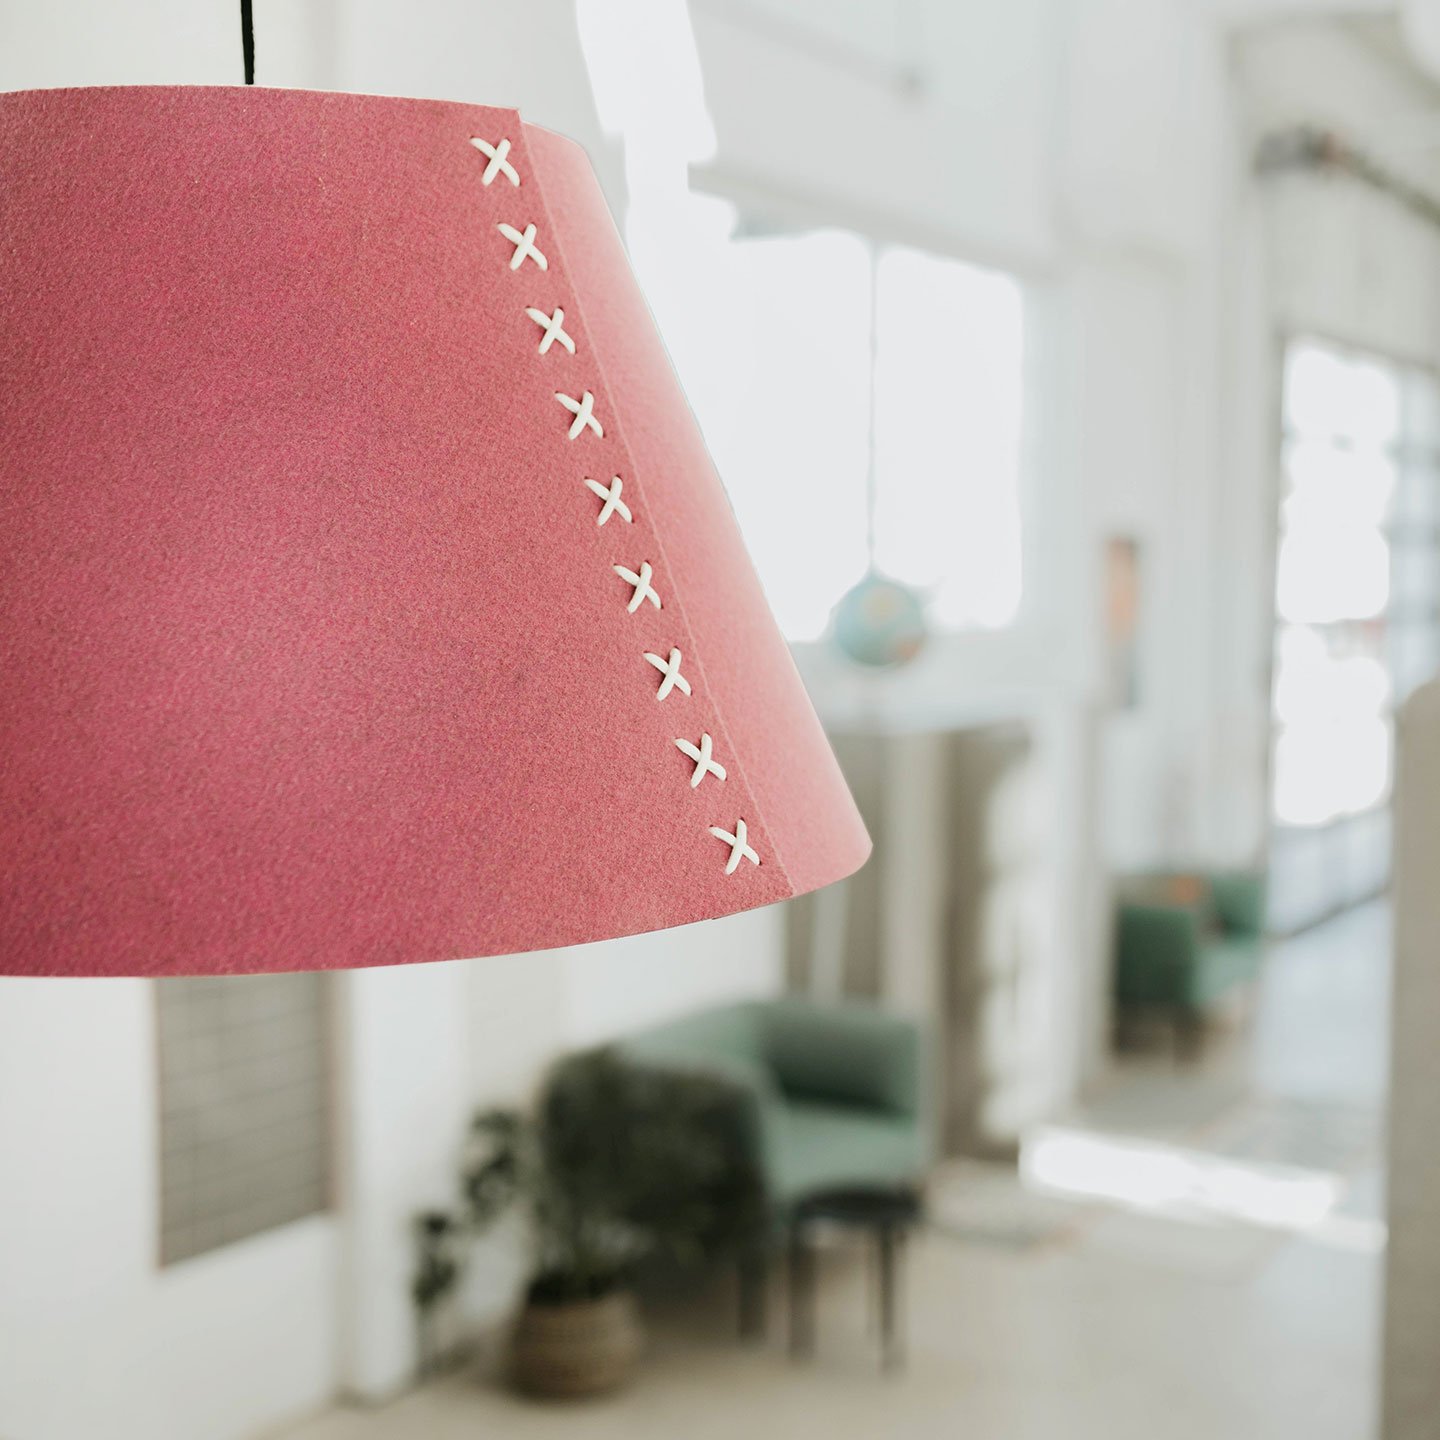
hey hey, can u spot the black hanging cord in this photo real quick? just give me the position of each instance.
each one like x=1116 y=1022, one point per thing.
x=247 y=40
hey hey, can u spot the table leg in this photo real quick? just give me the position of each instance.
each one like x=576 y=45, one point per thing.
x=802 y=1293
x=888 y=1242
x=751 y=1273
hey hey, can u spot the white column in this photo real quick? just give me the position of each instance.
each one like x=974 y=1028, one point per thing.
x=404 y=1082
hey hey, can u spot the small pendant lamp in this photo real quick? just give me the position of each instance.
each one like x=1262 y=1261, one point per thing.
x=878 y=622
x=366 y=593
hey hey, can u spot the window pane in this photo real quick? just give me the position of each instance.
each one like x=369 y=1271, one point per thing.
x=1330 y=571
x=1417 y=500
x=772 y=338
x=1327 y=395
x=1415 y=582
x=1314 y=400
x=1311 y=680
x=790 y=431
x=949 y=389
x=1325 y=768
x=1421 y=412
x=1357 y=585
x=1373 y=415
x=1326 y=481
x=1414 y=656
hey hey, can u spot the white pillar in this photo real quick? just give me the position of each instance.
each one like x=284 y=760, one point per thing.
x=404 y=1083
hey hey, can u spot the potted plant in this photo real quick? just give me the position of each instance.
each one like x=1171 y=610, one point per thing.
x=622 y=1163
x=578 y=1331
x=439 y=1238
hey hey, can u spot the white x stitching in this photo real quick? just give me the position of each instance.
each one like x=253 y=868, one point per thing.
x=551 y=325
x=499 y=164
x=583 y=410
x=610 y=494
x=705 y=764
x=670 y=670
x=740 y=849
x=525 y=247
x=644 y=590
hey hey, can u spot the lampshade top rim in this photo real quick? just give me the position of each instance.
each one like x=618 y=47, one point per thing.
x=271 y=92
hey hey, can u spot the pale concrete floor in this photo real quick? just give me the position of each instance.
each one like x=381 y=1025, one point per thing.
x=1302 y=1080
x=1096 y=1321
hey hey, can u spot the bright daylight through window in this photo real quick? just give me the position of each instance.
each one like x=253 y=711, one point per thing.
x=770 y=329
x=1356 y=580
x=786 y=408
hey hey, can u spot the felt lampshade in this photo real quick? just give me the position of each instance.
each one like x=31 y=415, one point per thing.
x=366 y=593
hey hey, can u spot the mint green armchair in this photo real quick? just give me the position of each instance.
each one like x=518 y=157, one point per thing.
x=832 y=1093
x=1183 y=942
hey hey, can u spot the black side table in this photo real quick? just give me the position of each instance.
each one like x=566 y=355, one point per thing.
x=886 y=1215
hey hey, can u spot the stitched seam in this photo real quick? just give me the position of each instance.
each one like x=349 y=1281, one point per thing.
x=583 y=411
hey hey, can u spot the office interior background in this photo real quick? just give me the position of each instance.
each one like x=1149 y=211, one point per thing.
x=1108 y=332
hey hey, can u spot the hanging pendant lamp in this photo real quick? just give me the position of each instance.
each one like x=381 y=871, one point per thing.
x=878 y=622
x=366 y=593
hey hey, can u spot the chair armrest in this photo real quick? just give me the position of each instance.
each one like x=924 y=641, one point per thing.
x=850 y=1053
x=1238 y=899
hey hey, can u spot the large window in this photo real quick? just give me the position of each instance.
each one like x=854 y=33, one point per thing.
x=778 y=332
x=784 y=393
x=1357 y=624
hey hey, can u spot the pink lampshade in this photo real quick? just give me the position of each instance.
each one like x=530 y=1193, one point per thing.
x=366 y=593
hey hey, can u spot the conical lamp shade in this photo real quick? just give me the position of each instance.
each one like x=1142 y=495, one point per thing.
x=368 y=596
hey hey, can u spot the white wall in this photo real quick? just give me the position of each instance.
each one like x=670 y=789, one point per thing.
x=620 y=985
x=402 y=1088
x=933 y=120
x=96 y=1339
x=1344 y=260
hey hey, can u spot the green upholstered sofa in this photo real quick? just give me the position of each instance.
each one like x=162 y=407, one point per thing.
x=1185 y=941
x=832 y=1092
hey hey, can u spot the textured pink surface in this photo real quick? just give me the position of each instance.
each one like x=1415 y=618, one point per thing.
x=313 y=651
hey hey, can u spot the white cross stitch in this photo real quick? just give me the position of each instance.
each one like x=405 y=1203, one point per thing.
x=499 y=164
x=644 y=590
x=705 y=764
x=610 y=494
x=583 y=410
x=551 y=325
x=670 y=670
x=739 y=847
x=525 y=248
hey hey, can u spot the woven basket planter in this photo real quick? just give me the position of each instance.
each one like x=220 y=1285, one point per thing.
x=576 y=1347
